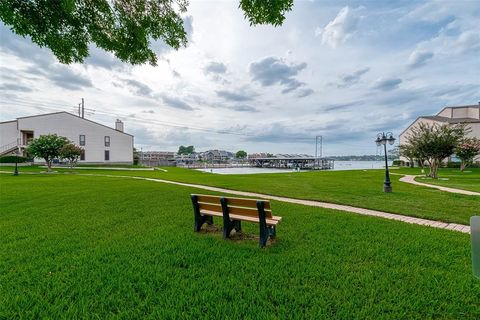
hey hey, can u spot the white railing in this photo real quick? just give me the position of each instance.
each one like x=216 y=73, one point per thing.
x=9 y=146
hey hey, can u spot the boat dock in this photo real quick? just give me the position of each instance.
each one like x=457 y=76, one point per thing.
x=286 y=162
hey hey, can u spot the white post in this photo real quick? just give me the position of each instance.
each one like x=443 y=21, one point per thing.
x=475 y=234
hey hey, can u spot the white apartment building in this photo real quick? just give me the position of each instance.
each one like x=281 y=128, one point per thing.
x=101 y=144
x=468 y=115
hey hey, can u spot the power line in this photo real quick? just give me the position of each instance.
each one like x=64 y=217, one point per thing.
x=152 y=121
x=65 y=107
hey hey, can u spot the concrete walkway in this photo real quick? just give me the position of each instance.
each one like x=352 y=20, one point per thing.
x=340 y=207
x=411 y=179
x=367 y=212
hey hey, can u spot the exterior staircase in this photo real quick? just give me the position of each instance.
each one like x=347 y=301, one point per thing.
x=9 y=147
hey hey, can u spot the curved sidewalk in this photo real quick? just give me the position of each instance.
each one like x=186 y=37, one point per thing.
x=411 y=179
x=327 y=205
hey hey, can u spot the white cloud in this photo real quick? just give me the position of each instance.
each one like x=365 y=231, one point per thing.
x=210 y=83
x=386 y=84
x=419 y=58
x=340 y=29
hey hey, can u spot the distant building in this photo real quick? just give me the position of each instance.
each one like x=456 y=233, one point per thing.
x=100 y=144
x=157 y=155
x=157 y=158
x=257 y=155
x=187 y=158
x=469 y=115
x=217 y=156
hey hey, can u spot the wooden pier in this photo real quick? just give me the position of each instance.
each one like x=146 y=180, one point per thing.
x=301 y=163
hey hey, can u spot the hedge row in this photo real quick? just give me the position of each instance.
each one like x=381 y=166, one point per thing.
x=12 y=159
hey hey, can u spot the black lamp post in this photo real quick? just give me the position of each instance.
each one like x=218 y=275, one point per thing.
x=15 y=173
x=383 y=138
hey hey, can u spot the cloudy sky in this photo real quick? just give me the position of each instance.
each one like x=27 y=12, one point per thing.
x=343 y=70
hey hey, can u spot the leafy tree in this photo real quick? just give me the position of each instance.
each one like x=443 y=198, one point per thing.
x=241 y=154
x=435 y=143
x=71 y=153
x=136 y=156
x=266 y=11
x=186 y=150
x=47 y=147
x=409 y=152
x=466 y=150
x=124 y=27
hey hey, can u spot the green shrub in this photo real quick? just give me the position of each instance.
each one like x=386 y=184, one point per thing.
x=455 y=164
x=11 y=159
x=400 y=163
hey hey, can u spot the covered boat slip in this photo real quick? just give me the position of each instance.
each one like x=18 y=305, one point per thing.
x=301 y=163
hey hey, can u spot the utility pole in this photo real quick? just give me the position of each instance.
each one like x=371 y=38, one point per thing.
x=83 y=109
x=79 y=108
x=318 y=139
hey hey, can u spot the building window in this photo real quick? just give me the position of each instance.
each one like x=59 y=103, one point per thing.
x=82 y=155
x=82 y=139
x=107 y=155
x=107 y=141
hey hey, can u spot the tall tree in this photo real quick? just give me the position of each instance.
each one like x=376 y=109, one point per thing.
x=410 y=152
x=241 y=154
x=466 y=150
x=186 y=150
x=136 y=156
x=71 y=153
x=435 y=142
x=124 y=27
x=47 y=147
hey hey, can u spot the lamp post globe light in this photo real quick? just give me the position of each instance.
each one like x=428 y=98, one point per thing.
x=382 y=139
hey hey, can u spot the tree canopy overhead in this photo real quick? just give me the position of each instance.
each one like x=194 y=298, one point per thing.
x=125 y=28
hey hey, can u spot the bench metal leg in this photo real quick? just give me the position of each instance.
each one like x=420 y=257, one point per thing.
x=228 y=225
x=265 y=231
x=238 y=225
x=273 y=232
x=199 y=219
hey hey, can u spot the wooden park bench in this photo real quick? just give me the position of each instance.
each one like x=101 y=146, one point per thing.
x=234 y=211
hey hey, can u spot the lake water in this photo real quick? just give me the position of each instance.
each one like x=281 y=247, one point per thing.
x=339 y=165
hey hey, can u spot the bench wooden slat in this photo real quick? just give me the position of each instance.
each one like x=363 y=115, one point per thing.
x=248 y=203
x=220 y=214
x=210 y=207
x=208 y=199
x=211 y=213
x=251 y=212
x=271 y=222
x=238 y=202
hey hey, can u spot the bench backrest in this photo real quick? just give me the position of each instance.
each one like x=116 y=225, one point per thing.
x=238 y=206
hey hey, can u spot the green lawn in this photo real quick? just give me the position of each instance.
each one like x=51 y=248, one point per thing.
x=361 y=188
x=454 y=178
x=89 y=247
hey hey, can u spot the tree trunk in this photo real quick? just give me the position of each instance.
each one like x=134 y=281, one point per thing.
x=463 y=165
x=49 y=166
x=434 y=169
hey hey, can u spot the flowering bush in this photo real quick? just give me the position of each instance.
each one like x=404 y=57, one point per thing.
x=466 y=150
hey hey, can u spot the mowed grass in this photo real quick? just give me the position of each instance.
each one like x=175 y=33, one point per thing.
x=454 y=178
x=360 y=188
x=92 y=247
